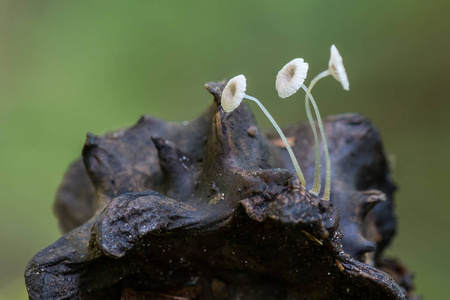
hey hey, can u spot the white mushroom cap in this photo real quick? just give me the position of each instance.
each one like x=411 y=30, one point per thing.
x=233 y=93
x=336 y=68
x=291 y=77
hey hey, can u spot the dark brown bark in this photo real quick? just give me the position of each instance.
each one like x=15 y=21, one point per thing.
x=213 y=210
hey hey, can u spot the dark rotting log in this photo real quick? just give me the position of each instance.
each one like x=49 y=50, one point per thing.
x=212 y=209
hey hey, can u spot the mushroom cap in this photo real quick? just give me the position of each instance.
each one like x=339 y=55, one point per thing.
x=233 y=93
x=336 y=67
x=291 y=77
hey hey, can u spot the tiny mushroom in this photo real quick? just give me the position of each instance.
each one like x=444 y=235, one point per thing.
x=233 y=93
x=336 y=68
x=291 y=77
x=232 y=96
x=287 y=84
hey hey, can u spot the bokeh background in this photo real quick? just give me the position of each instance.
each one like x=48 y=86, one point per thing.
x=71 y=67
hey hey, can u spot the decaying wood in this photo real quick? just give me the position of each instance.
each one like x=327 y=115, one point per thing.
x=211 y=209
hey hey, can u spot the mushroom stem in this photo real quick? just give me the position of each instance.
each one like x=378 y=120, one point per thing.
x=317 y=166
x=288 y=147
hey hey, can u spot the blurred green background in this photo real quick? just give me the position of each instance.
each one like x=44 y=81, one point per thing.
x=69 y=67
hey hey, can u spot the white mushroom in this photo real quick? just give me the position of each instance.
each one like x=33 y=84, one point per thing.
x=232 y=96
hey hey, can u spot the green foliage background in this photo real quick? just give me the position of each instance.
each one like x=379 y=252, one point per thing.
x=69 y=67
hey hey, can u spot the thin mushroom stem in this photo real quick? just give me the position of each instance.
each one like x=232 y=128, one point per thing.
x=317 y=167
x=288 y=147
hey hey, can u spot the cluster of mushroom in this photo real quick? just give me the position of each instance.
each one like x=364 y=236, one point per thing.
x=288 y=81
